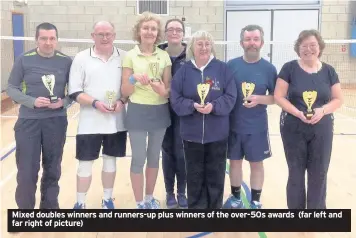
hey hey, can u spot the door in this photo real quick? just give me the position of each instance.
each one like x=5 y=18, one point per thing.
x=18 y=30
x=236 y=20
x=287 y=24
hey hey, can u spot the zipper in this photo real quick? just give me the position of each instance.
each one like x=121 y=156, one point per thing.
x=202 y=139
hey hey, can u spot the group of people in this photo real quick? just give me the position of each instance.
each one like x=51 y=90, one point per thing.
x=177 y=98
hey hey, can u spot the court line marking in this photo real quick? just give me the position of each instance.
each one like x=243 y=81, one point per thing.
x=245 y=199
x=75 y=115
x=11 y=145
x=200 y=234
x=5 y=180
x=8 y=153
x=3 y=116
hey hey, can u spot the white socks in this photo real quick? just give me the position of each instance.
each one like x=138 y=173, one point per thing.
x=107 y=193
x=148 y=198
x=81 y=198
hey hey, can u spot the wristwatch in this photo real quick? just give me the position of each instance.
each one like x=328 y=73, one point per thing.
x=93 y=103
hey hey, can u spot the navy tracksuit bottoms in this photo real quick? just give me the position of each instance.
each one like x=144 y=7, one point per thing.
x=307 y=149
x=33 y=137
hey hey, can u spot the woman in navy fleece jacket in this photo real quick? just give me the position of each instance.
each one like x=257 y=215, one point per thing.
x=204 y=128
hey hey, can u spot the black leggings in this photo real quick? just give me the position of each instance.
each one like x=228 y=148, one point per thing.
x=307 y=148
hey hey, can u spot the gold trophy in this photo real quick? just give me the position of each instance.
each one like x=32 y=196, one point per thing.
x=203 y=90
x=247 y=90
x=154 y=70
x=309 y=98
x=49 y=81
x=110 y=98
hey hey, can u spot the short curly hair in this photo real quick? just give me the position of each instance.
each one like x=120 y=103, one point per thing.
x=306 y=34
x=144 y=17
x=198 y=35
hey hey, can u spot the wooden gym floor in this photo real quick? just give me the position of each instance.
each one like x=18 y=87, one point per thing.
x=341 y=181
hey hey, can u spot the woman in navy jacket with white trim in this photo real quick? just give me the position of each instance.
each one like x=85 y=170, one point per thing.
x=204 y=128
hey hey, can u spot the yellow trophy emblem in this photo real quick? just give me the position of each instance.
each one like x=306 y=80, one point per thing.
x=110 y=99
x=309 y=98
x=203 y=90
x=247 y=90
x=154 y=70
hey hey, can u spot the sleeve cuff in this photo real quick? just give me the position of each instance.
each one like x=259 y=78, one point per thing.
x=74 y=96
x=31 y=103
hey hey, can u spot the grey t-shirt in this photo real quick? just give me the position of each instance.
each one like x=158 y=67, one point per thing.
x=26 y=83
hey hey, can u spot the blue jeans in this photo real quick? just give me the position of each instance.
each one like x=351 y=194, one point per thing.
x=173 y=158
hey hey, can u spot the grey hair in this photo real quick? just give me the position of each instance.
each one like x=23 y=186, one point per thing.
x=251 y=28
x=199 y=35
x=100 y=22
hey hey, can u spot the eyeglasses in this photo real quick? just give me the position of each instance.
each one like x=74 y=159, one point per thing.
x=102 y=35
x=171 y=30
x=311 y=46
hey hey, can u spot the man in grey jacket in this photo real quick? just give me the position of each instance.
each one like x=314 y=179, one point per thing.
x=38 y=82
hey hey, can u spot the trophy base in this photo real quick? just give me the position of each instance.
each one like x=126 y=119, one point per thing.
x=155 y=80
x=53 y=99
x=110 y=106
x=309 y=115
x=246 y=102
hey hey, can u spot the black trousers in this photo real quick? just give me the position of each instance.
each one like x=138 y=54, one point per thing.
x=173 y=163
x=34 y=136
x=307 y=149
x=205 y=166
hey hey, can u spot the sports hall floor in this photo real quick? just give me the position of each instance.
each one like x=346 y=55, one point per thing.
x=341 y=180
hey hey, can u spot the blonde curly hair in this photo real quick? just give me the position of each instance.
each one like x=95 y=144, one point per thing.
x=145 y=17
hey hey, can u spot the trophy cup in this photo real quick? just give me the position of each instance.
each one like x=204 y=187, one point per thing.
x=49 y=81
x=309 y=98
x=203 y=90
x=154 y=69
x=247 y=90
x=110 y=98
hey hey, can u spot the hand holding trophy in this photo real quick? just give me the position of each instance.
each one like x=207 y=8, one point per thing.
x=110 y=100
x=203 y=107
x=49 y=82
x=154 y=70
x=203 y=90
x=309 y=98
x=247 y=90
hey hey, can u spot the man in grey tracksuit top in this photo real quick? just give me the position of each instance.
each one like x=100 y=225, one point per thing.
x=41 y=124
